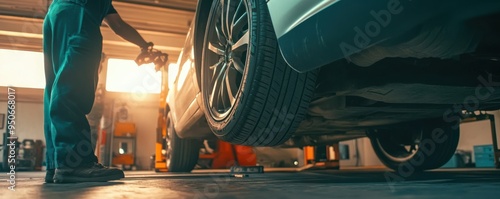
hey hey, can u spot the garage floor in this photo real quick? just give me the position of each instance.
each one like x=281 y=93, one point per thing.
x=346 y=183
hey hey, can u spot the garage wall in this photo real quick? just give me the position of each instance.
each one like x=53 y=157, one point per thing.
x=364 y=157
x=477 y=133
x=368 y=156
x=29 y=120
x=354 y=159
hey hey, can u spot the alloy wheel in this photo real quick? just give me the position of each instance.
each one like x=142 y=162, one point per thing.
x=225 y=59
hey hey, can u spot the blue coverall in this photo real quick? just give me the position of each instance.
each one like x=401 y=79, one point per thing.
x=72 y=45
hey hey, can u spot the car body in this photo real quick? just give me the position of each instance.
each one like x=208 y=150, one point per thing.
x=391 y=64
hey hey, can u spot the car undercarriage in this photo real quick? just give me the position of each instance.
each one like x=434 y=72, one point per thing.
x=351 y=99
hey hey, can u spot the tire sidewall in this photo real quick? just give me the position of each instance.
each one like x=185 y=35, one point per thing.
x=185 y=152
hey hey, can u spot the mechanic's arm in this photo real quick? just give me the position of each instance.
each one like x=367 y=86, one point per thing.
x=124 y=30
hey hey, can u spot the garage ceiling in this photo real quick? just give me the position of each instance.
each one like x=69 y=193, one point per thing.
x=164 y=22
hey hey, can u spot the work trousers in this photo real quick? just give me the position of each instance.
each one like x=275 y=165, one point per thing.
x=72 y=45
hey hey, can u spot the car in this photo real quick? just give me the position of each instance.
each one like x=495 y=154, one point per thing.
x=296 y=73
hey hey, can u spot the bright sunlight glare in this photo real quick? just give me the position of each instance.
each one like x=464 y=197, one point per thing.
x=21 y=69
x=126 y=76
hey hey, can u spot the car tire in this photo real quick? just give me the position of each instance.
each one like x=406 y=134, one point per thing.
x=250 y=95
x=434 y=144
x=181 y=154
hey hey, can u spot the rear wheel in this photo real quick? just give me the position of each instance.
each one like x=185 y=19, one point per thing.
x=416 y=148
x=181 y=154
x=251 y=96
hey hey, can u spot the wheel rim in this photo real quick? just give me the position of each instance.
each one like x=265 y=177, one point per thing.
x=396 y=151
x=168 y=147
x=225 y=57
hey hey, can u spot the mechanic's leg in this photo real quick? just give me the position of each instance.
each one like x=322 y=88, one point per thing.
x=49 y=80
x=76 y=51
x=79 y=49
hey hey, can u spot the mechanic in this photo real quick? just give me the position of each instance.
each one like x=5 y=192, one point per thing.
x=72 y=45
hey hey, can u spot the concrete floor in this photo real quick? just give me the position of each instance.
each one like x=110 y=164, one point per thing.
x=345 y=183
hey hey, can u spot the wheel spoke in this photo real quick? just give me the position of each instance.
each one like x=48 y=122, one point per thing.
x=216 y=84
x=231 y=84
x=242 y=43
x=238 y=65
x=238 y=25
x=222 y=93
x=238 y=9
x=226 y=21
x=219 y=70
x=215 y=49
x=216 y=66
x=223 y=18
x=220 y=35
x=215 y=96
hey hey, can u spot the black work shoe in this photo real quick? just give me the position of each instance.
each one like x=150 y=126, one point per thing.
x=49 y=176
x=91 y=173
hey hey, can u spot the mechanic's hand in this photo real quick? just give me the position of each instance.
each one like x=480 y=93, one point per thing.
x=147 y=47
x=150 y=55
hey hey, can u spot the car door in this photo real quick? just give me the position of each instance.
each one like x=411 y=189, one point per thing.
x=182 y=97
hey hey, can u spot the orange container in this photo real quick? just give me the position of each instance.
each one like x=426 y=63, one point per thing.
x=124 y=129
x=124 y=159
